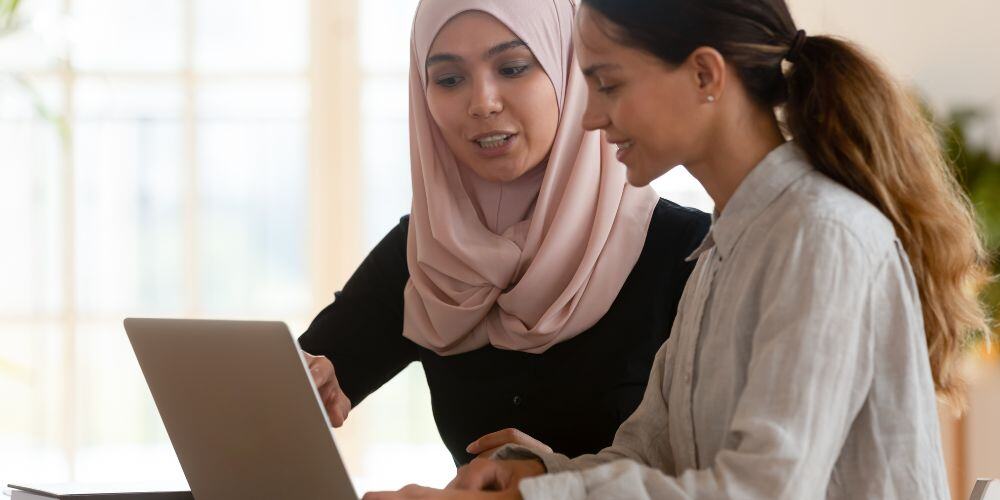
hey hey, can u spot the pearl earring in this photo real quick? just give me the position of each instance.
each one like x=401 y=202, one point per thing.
x=711 y=98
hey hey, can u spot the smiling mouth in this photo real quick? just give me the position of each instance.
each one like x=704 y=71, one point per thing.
x=494 y=141
x=623 y=149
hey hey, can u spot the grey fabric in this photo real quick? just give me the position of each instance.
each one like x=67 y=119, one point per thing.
x=796 y=367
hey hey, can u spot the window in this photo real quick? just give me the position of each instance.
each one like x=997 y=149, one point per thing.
x=155 y=162
x=180 y=158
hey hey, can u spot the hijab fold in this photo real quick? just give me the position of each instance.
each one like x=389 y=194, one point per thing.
x=533 y=262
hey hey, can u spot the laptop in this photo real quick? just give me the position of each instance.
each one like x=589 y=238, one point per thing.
x=240 y=408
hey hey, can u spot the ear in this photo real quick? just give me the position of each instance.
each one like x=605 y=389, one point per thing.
x=709 y=69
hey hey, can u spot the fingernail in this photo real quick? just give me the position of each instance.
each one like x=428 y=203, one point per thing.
x=468 y=449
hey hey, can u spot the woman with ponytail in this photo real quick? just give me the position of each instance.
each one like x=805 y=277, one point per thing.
x=832 y=294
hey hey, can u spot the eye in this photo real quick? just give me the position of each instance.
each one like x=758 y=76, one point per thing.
x=514 y=70
x=448 y=80
x=603 y=87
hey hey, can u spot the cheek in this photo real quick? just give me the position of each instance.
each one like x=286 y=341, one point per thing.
x=538 y=110
x=446 y=111
x=633 y=116
x=667 y=115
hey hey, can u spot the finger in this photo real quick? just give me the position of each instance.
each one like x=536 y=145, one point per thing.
x=337 y=417
x=338 y=409
x=328 y=397
x=491 y=440
x=310 y=359
x=381 y=495
x=342 y=404
x=319 y=371
x=452 y=485
x=479 y=474
x=417 y=491
x=332 y=395
x=410 y=491
x=328 y=392
x=506 y=436
x=488 y=453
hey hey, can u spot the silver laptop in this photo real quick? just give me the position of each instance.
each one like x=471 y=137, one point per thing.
x=240 y=408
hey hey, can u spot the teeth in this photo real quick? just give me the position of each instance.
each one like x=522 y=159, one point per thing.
x=493 y=141
x=624 y=145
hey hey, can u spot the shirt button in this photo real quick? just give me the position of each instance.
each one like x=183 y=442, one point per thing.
x=517 y=400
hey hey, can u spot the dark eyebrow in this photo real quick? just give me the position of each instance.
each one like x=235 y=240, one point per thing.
x=590 y=70
x=436 y=58
x=496 y=49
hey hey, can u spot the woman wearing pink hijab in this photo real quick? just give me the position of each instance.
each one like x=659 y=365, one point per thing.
x=530 y=280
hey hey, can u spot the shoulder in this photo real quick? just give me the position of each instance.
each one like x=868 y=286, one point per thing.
x=675 y=226
x=399 y=231
x=822 y=210
x=392 y=246
x=669 y=213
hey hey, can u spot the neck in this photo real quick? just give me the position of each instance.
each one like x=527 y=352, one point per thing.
x=738 y=144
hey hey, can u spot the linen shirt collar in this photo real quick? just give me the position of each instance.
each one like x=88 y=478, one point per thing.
x=762 y=186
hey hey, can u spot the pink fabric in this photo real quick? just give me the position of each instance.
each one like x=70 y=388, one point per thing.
x=530 y=263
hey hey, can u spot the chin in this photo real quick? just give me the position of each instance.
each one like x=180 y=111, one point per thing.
x=638 y=177
x=501 y=177
x=509 y=176
x=503 y=173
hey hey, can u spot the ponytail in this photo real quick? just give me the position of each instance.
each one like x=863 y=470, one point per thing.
x=861 y=129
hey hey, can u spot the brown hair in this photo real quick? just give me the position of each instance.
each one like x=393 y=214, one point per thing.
x=858 y=127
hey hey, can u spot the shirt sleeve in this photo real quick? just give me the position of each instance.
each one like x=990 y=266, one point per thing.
x=361 y=332
x=809 y=373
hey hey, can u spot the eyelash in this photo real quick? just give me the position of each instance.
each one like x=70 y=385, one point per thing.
x=517 y=71
x=606 y=89
x=441 y=80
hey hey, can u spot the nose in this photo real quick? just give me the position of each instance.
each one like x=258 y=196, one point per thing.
x=594 y=117
x=486 y=100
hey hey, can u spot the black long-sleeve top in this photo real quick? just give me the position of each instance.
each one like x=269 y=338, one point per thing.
x=572 y=397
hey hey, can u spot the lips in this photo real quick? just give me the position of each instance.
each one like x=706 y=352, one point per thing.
x=496 y=144
x=494 y=139
x=624 y=147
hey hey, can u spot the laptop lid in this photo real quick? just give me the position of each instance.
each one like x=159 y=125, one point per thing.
x=240 y=409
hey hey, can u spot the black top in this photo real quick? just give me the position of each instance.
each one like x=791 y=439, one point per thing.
x=572 y=397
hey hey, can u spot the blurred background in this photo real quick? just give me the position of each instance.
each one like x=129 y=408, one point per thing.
x=238 y=158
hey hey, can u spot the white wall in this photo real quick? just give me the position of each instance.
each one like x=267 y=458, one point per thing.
x=949 y=51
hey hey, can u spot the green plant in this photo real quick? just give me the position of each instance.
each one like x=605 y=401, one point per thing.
x=8 y=18
x=979 y=171
x=11 y=23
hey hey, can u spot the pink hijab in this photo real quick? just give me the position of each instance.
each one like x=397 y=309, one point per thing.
x=527 y=264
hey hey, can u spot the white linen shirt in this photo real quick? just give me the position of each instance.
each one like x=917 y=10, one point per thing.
x=796 y=367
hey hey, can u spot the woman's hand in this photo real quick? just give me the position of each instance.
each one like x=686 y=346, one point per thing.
x=414 y=492
x=334 y=400
x=495 y=475
x=486 y=445
x=499 y=477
